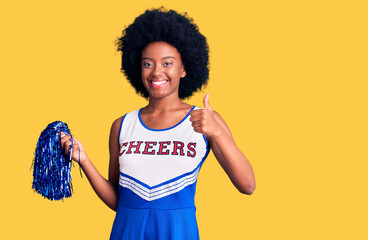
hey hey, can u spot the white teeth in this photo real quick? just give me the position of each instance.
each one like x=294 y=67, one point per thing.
x=158 y=82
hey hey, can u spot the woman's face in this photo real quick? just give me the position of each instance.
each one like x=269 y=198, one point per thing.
x=162 y=69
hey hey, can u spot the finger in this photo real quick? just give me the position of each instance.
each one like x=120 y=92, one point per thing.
x=196 y=124
x=65 y=147
x=68 y=147
x=62 y=134
x=65 y=139
x=198 y=130
x=206 y=103
x=76 y=145
x=196 y=112
x=195 y=118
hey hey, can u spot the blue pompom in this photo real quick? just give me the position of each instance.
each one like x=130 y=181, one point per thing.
x=51 y=170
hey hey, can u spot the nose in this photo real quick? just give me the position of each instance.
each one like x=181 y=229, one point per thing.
x=157 y=71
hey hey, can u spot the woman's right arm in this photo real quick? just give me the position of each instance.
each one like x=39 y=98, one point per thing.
x=106 y=190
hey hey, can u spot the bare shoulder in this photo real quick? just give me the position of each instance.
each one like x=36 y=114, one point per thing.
x=115 y=128
x=117 y=123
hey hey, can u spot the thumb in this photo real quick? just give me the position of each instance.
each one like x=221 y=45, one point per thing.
x=206 y=103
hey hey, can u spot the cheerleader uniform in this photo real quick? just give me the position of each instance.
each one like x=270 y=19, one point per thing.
x=158 y=176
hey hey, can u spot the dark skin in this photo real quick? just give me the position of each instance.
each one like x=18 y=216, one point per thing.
x=162 y=70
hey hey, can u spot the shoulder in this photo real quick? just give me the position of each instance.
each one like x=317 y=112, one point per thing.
x=115 y=129
x=116 y=125
x=118 y=121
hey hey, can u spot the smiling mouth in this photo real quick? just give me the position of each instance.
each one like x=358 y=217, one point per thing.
x=158 y=83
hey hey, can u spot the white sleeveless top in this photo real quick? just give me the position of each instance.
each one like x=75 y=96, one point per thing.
x=155 y=163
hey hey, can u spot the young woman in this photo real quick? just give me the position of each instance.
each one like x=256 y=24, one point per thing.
x=156 y=152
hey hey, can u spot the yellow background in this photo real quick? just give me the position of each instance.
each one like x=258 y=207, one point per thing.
x=289 y=77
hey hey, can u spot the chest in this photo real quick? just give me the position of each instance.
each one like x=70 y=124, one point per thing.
x=156 y=156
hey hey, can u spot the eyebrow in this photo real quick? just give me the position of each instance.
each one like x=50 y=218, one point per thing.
x=146 y=58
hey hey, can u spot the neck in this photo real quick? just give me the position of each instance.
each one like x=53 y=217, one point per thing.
x=164 y=104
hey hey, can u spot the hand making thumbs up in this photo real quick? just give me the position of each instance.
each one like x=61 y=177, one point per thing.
x=203 y=120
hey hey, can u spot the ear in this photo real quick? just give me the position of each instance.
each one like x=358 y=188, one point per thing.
x=184 y=73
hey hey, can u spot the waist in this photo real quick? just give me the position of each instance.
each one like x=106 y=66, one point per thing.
x=131 y=198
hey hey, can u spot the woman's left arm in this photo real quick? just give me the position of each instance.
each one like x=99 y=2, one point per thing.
x=232 y=160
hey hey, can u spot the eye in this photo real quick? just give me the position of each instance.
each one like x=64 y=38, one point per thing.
x=147 y=64
x=167 y=64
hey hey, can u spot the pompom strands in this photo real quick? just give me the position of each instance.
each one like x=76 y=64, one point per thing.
x=51 y=170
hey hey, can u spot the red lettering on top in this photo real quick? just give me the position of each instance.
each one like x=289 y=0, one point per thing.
x=123 y=145
x=131 y=145
x=148 y=146
x=178 y=146
x=163 y=146
x=191 y=149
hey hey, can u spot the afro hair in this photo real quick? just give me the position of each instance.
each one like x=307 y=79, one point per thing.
x=175 y=29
